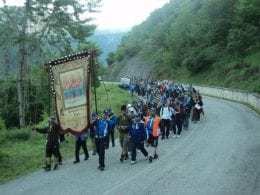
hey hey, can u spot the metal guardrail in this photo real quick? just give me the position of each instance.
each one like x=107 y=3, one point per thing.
x=242 y=96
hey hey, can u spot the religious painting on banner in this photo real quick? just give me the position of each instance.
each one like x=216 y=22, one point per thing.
x=71 y=87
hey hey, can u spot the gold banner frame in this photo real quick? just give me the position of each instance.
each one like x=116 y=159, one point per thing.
x=70 y=84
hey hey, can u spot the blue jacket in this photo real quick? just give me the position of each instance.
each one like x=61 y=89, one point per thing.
x=149 y=125
x=138 y=131
x=102 y=128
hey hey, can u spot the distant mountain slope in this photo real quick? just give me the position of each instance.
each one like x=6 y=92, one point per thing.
x=136 y=66
x=107 y=41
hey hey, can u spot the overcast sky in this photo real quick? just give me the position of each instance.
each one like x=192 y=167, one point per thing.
x=118 y=14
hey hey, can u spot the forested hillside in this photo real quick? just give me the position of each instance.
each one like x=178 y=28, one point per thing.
x=211 y=42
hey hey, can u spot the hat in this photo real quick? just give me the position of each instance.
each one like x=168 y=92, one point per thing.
x=131 y=109
x=123 y=107
x=129 y=105
x=52 y=119
x=109 y=110
x=106 y=112
x=93 y=114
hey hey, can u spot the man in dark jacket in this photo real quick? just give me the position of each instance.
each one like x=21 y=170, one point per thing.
x=52 y=145
x=111 y=129
x=81 y=141
x=123 y=125
x=137 y=135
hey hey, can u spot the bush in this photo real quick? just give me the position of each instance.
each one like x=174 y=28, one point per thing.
x=2 y=131
x=2 y=136
x=17 y=135
x=2 y=124
x=199 y=63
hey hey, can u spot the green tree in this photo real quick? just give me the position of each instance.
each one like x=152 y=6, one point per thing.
x=110 y=58
x=244 y=37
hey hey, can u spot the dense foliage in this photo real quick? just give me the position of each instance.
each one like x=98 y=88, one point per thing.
x=209 y=41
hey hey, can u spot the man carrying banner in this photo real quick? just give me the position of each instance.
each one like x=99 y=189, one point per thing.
x=52 y=144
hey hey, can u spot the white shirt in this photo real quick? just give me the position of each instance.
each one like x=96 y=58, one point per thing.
x=166 y=112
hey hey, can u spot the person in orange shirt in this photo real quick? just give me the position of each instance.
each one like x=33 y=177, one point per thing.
x=152 y=124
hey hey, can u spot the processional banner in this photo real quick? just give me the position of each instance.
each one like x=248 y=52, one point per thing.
x=70 y=84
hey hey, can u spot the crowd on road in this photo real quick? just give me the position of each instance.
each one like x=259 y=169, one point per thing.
x=163 y=110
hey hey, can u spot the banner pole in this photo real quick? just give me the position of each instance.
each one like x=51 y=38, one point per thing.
x=49 y=93
x=94 y=78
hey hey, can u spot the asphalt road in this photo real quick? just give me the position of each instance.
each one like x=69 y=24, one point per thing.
x=220 y=155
